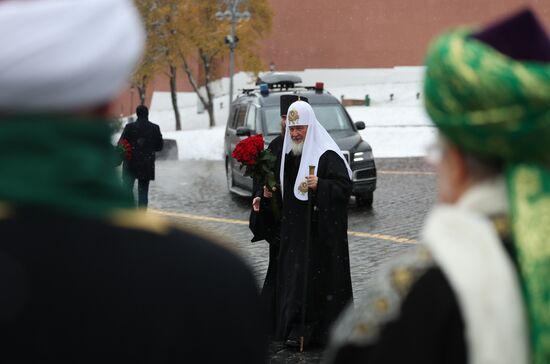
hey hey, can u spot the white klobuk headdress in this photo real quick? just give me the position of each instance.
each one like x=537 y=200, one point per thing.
x=61 y=55
x=317 y=142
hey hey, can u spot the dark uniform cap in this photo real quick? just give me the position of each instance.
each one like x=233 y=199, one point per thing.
x=287 y=100
x=519 y=36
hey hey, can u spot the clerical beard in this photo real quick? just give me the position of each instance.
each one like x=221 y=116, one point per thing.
x=297 y=148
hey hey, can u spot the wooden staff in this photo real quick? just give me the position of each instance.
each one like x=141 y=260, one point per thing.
x=306 y=263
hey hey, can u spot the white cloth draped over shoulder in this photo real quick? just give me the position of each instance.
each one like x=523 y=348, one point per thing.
x=317 y=142
x=60 y=55
x=464 y=243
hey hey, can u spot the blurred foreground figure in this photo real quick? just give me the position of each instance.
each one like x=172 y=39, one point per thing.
x=477 y=290
x=85 y=278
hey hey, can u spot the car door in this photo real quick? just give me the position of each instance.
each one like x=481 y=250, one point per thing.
x=250 y=123
x=238 y=121
x=229 y=133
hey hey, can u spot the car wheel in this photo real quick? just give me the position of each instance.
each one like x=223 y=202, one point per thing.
x=229 y=175
x=364 y=199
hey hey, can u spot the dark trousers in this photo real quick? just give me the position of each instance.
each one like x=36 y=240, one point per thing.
x=143 y=189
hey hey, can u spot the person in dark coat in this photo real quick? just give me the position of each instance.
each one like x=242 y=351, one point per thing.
x=323 y=266
x=476 y=289
x=264 y=223
x=84 y=276
x=145 y=139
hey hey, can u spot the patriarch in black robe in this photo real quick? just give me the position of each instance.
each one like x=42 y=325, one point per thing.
x=328 y=276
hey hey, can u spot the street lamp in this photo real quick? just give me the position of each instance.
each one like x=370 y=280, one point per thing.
x=131 y=101
x=233 y=15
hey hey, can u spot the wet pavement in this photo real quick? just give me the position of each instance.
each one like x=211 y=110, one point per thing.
x=194 y=193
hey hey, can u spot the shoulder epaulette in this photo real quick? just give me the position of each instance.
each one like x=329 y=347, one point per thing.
x=361 y=325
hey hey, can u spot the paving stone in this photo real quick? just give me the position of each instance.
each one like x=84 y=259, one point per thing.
x=401 y=203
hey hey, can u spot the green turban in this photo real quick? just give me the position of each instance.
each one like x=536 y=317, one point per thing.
x=494 y=107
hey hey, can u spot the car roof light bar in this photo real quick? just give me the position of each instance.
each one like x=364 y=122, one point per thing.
x=264 y=89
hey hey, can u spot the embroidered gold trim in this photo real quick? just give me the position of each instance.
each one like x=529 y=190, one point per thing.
x=140 y=220
x=362 y=322
x=303 y=187
x=293 y=116
x=5 y=211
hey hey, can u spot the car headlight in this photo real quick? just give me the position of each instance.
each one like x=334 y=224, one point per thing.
x=362 y=156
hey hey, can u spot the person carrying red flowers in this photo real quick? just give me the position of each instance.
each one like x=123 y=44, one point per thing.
x=308 y=282
x=265 y=215
x=144 y=139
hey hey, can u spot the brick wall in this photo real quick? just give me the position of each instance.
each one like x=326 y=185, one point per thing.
x=358 y=33
x=372 y=33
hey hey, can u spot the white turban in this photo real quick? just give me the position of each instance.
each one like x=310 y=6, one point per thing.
x=316 y=143
x=61 y=55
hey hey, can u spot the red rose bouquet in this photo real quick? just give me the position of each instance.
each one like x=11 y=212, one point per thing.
x=124 y=150
x=259 y=163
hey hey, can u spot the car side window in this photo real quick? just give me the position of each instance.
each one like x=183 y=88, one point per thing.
x=259 y=125
x=231 y=121
x=251 y=118
x=332 y=117
x=240 y=117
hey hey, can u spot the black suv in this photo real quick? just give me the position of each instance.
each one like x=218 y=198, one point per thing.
x=256 y=111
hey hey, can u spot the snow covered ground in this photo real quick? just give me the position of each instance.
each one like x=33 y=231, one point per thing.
x=397 y=125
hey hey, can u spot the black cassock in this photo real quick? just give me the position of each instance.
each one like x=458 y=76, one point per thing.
x=266 y=225
x=329 y=280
